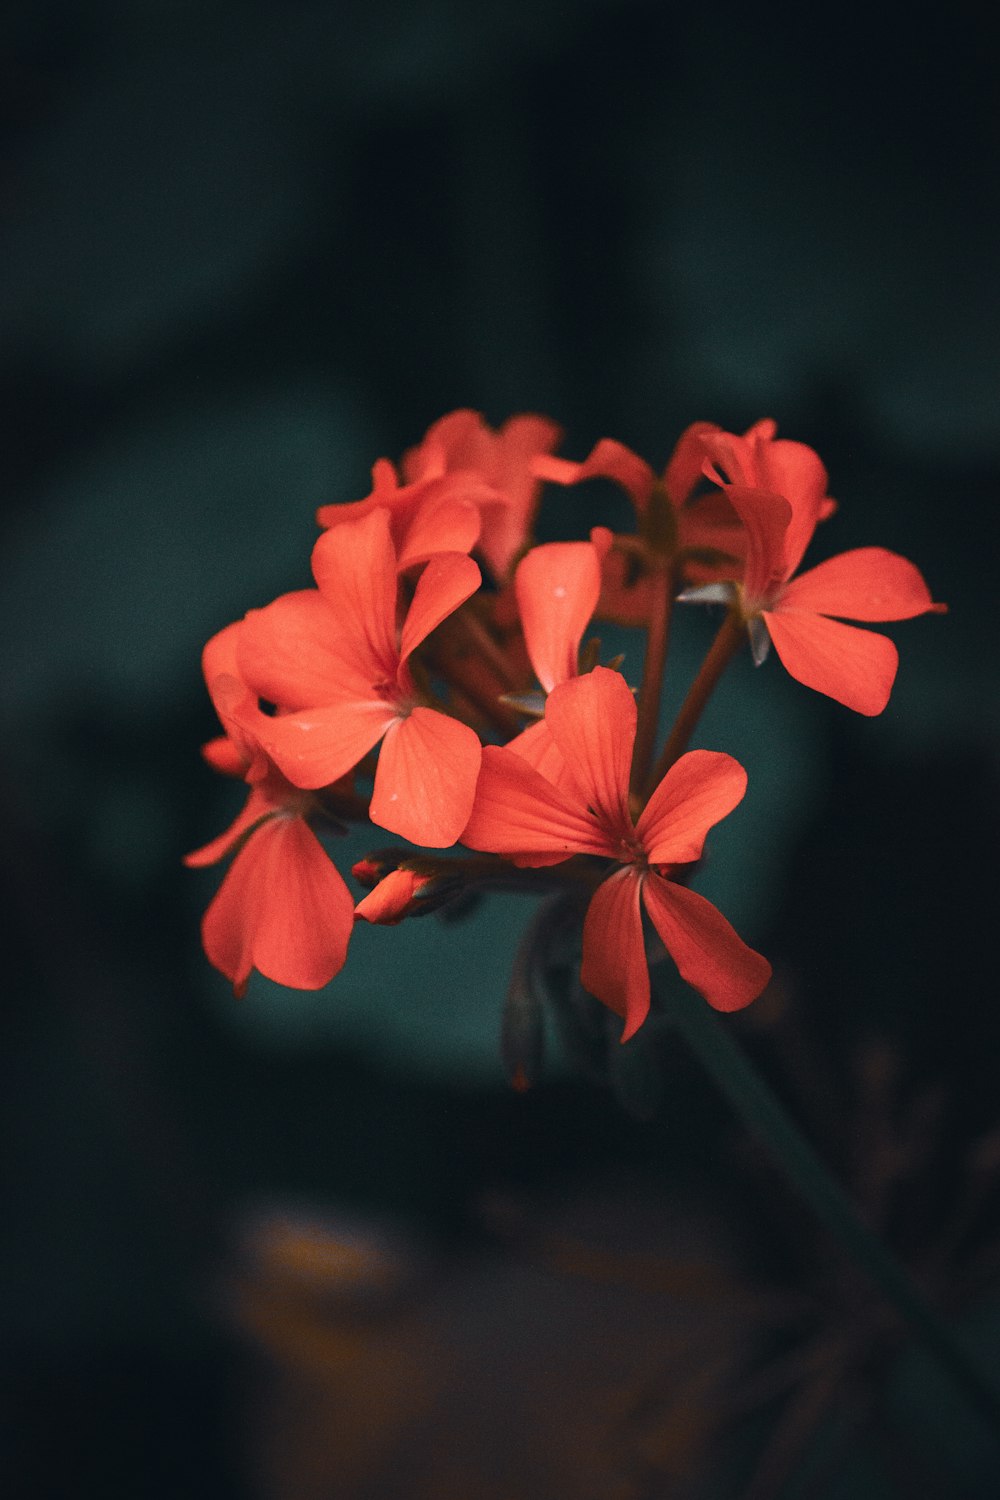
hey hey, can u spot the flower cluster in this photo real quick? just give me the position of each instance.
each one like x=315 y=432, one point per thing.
x=435 y=683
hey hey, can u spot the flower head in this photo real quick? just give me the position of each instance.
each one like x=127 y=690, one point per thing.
x=779 y=493
x=283 y=907
x=518 y=812
x=502 y=460
x=336 y=660
x=698 y=533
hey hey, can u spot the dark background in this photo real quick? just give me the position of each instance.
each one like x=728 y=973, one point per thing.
x=248 y=249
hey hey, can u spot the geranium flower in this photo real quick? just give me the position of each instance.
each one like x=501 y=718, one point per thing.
x=700 y=532
x=337 y=665
x=521 y=814
x=442 y=513
x=505 y=459
x=855 y=667
x=283 y=907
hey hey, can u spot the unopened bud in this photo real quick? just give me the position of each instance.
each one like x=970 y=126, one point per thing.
x=393 y=898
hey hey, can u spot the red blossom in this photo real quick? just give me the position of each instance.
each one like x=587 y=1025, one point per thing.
x=521 y=814
x=504 y=459
x=780 y=495
x=702 y=525
x=441 y=513
x=337 y=664
x=282 y=908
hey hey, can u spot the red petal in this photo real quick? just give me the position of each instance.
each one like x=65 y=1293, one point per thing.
x=440 y=525
x=296 y=653
x=796 y=472
x=282 y=909
x=607 y=460
x=258 y=805
x=425 y=781
x=219 y=657
x=687 y=461
x=504 y=459
x=766 y=517
x=317 y=746
x=614 y=964
x=224 y=755
x=519 y=813
x=385 y=488
x=856 y=667
x=354 y=565
x=698 y=790
x=709 y=955
x=536 y=746
x=711 y=522
x=557 y=588
x=757 y=461
x=866 y=584
x=593 y=720
x=447 y=581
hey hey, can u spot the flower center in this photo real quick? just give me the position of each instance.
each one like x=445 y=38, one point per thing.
x=632 y=851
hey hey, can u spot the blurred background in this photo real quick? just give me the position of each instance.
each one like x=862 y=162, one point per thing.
x=312 y=1245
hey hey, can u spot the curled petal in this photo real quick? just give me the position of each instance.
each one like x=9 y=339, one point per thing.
x=607 y=460
x=504 y=459
x=792 y=470
x=517 y=812
x=425 y=781
x=695 y=794
x=446 y=524
x=447 y=581
x=593 y=721
x=385 y=491
x=856 y=667
x=766 y=517
x=614 y=954
x=709 y=955
x=687 y=461
x=557 y=587
x=796 y=472
x=282 y=909
x=868 y=583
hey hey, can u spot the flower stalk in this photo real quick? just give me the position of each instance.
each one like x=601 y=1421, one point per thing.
x=728 y=641
x=654 y=662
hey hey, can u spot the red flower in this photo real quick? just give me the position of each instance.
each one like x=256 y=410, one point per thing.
x=855 y=667
x=520 y=814
x=442 y=513
x=283 y=907
x=697 y=528
x=337 y=665
x=504 y=459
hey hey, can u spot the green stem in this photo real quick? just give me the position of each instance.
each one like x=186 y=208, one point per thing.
x=653 y=665
x=730 y=638
x=765 y=1116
